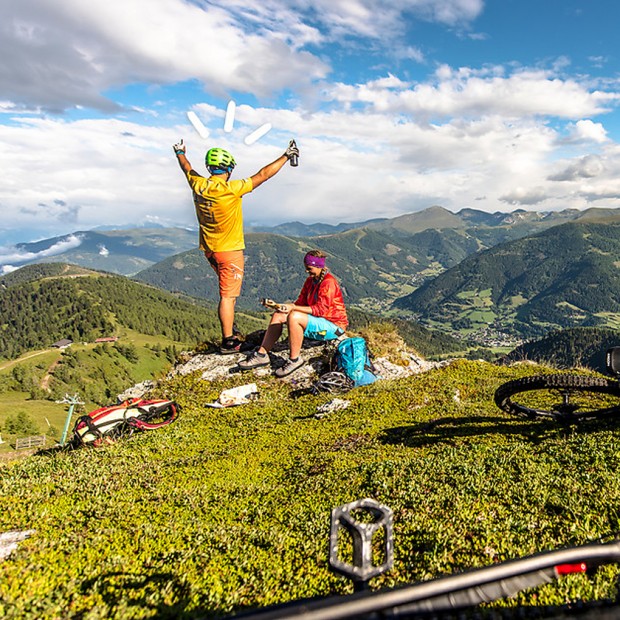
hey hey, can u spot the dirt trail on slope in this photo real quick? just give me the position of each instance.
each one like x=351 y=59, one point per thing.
x=45 y=382
x=21 y=359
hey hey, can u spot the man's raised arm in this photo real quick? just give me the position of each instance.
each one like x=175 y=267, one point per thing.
x=179 y=150
x=274 y=167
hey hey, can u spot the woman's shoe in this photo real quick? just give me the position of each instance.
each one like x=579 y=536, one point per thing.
x=289 y=367
x=255 y=360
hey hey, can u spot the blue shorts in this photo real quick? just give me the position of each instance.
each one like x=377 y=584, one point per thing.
x=319 y=328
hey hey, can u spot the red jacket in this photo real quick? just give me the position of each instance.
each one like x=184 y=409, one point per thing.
x=325 y=299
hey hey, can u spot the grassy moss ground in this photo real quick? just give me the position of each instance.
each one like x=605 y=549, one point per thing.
x=229 y=508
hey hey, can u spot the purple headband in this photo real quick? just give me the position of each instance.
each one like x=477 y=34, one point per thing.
x=314 y=261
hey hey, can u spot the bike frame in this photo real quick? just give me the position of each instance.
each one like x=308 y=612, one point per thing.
x=452 y=592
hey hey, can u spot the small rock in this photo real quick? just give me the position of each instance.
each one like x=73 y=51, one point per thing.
x=10 y=540
x=137 y=391
x=337 y=404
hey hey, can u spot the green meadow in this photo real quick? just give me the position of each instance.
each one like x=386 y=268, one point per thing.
x=229 y=509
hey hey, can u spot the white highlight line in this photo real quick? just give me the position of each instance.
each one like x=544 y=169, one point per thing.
x=230 y=116
x=257 y=134
x=203 y=132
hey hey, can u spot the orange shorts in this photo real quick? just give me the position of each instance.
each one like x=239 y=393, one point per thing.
x=229 y=269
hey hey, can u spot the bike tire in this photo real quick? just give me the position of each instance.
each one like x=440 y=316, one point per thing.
x=565 y=385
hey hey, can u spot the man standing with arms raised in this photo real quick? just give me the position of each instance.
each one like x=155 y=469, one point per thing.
x=218 y=208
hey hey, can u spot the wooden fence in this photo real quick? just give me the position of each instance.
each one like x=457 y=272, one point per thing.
x=33 y=441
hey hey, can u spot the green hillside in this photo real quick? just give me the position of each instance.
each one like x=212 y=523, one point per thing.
x=569 y=348
x=229 y=509
x=44 y=303
x=373 y=268
x=566 y=276
x=35 y=313
x=41 y=304
x=376 y=262
x=38 y=271
x=32 y=386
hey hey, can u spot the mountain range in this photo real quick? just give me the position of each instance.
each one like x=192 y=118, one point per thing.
x=128 y=251
x=124 y=252
x=566 y=276
x=43 y=303
x=522 y=273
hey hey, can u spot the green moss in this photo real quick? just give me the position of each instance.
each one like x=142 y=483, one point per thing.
x=229 y=508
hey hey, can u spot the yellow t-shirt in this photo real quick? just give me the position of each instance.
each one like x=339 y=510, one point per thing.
x=218 y=209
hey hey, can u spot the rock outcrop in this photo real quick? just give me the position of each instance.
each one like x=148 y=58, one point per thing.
x=402 y=363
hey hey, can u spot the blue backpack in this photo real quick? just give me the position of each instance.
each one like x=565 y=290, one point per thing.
x=353 y=359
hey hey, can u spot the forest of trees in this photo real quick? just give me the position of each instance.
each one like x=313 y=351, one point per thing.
x=36 y=314
x=568 y=348
x=103 y=373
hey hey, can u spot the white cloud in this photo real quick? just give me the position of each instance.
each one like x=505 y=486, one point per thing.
x=354 y=165
x=319 y=20
x=409 y=53
x=588 y=131
x=467 y=92
x=609 y=193
x=59 y=55
x=62 y=54
x=362 y=17
x=525 y=196
x=88 y=172
x=486 y=136
x=586 y=167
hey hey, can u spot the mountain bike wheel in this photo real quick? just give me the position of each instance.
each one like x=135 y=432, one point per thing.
x=560 y=397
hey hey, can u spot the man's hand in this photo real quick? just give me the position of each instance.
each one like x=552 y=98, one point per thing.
x=179 y=149
x=292 y=151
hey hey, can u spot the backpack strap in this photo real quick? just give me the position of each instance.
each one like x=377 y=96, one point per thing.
x=92 y=428
x=149 y=410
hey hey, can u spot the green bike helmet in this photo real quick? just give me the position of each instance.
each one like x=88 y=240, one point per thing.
x=219 y=160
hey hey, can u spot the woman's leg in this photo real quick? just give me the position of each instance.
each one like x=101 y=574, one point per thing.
x=273 y=332
x=296 y=323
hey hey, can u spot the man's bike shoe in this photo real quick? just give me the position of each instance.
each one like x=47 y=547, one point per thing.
x=230 y=346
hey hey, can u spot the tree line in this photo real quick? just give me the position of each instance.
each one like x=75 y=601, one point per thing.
x=37 y=314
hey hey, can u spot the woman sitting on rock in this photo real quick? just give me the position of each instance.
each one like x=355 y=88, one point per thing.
x=318 y=314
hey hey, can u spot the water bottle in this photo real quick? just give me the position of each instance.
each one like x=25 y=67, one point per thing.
x=294 y=160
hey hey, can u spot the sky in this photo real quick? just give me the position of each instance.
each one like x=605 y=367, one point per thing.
x=493 y=105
